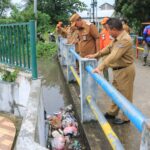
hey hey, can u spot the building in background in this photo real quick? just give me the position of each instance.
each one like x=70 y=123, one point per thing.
x=106 y=6
x=102 y=8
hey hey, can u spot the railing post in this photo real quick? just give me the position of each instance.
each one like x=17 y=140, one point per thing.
x=88 y=87
x=64 y=52
x=33 y=49
x=145 y=140
x=58 y=43
x=71 y=61
x=62 y=43
x=137 y=51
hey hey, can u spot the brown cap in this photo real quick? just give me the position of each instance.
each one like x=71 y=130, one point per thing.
x=104 y=21
x=60 y=22
x=74 y=17
x=58 y=25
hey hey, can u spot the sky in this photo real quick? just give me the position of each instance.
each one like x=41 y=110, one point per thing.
x=87 y=2
x=16 y=1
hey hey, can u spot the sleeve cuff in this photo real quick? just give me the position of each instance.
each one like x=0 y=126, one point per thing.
x=101 y=67
x=98 y=54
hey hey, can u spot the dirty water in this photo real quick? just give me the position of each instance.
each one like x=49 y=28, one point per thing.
x=55 y=94
x=55 y=91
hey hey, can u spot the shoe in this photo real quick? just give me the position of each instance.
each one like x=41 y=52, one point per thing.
x=108 y=116
x=118 y=121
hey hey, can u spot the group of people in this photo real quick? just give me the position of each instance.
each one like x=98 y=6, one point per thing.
x=114 y=46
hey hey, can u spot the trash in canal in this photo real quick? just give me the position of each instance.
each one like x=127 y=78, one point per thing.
x=63 y=132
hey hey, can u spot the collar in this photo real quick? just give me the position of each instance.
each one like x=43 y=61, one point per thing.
x=83 y=24
x=120 y=35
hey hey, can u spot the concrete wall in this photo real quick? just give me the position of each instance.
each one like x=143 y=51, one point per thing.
x=24 y=98
x=32 y=130
x=14 y=96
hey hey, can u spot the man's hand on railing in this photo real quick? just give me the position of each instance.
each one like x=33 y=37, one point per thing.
x=90 y=56
x=96 y=70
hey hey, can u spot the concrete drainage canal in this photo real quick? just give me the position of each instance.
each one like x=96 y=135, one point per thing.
x=63 y=130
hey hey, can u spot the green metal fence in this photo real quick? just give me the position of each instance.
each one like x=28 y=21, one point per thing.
x=18 y=46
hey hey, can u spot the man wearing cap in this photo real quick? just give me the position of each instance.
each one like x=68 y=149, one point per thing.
x=125 y=26
x=105 y=40
x=60 y=30
x=88 y=35
x=121 y=59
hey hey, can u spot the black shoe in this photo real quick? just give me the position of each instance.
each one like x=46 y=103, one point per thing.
x=118 y=121
x=144 y=64
x=108 y=116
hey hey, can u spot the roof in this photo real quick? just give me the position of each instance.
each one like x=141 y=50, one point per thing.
x=104 y=4
x=110 y=2
x=100 y=13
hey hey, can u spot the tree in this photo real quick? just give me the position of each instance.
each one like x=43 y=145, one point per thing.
x=4 y=6
x=27 y=14
x=58 y=9
x=135 y=11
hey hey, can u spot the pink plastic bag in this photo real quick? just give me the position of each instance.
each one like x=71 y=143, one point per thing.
x=58 y=143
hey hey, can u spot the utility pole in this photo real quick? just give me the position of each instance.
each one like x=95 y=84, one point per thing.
x=35 y=15
x=93 y=11
x=93 y=5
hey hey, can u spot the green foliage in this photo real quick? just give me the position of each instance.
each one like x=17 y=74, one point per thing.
x=9 y=76
x=4 y=6
x=47 y=50
x=135 y=11
x=43 y=22
x=49 y=12
x=6 y=20
x=24 y=15
x=60 y=9
x=27 y=14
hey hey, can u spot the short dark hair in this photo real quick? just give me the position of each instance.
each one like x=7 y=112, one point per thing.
x=124 y=20
x=115 y=23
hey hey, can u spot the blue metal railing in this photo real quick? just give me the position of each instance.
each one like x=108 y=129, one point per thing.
x=135 y=116
x=75 y=54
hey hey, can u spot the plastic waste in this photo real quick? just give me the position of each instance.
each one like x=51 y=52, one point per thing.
x=55 y=122
x=58 y=143
x=63 y=127
x=75 y=145
x=55 y=133
x=70 y=130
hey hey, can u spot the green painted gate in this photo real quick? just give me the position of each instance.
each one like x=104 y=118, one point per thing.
x=18 y=46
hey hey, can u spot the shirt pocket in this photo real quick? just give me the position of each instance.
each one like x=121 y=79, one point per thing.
x=85 y=37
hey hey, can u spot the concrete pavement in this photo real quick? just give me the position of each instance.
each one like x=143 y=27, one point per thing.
x=7 y=133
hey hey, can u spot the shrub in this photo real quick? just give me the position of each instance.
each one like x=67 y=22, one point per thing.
x=46 y=49
x=8 y=76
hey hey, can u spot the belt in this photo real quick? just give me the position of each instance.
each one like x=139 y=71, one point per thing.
x=118 y=68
